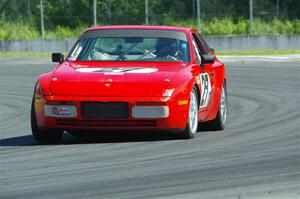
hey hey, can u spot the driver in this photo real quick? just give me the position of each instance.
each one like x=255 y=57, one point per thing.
x=166 y=48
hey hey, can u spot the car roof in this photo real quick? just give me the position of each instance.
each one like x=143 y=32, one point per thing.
x=128 y=27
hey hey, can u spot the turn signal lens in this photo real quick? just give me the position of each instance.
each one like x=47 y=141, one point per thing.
x=182 y=102
x=38 y=93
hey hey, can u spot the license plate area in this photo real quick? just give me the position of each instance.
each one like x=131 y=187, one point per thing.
x=105 y=110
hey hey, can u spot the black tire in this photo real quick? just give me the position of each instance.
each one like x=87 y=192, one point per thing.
x=79 y=133
x=46 y=136
x=191 y=129
x=220 y=121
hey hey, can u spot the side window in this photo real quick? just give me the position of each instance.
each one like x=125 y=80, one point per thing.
x=203 y=48
x=203 y=43
x=197 y=53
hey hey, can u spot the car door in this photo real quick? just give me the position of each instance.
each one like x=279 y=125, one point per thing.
x=205 y=79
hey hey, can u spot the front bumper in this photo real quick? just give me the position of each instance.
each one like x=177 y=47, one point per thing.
x=172 y=115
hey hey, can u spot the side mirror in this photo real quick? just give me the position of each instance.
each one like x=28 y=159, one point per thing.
x=57 y=57
x=208 y=59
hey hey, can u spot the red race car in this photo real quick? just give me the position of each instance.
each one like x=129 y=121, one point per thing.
x=131 y=77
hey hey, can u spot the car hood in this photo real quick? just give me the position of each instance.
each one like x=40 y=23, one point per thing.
x=113 y=79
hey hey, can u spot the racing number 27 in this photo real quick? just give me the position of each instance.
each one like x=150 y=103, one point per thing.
x=206 y=89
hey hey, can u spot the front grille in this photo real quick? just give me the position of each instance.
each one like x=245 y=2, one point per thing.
x=105 y=110
x=105 y=123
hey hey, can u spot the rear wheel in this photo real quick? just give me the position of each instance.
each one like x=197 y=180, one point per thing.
x=219 y=122
x=47 y=136
x=192 y=124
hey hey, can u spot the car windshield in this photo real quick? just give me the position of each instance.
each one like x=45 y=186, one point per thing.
x=131 y=45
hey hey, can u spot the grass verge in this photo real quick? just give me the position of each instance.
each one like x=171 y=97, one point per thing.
x=24 y=54
x=258 y=52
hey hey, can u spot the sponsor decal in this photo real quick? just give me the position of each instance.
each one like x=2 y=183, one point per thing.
x=61 y=111
x=116 y=71
x=75 y=53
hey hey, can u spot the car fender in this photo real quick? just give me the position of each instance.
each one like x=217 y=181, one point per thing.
x=220 y=74
x=182 y=83
x=45 y=81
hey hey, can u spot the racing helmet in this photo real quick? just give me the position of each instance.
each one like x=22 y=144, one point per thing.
x=166 y=47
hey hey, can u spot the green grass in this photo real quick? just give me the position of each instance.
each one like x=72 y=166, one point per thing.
x=27 y=31
x=228 y=52
x=258 y=52
x=24 y=30
x=227 y=26
x=24 y=54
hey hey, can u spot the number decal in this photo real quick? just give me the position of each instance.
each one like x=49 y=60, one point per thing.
x=206 y=89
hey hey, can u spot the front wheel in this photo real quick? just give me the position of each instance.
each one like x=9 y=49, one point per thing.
x=47 y=136
x=192 y=124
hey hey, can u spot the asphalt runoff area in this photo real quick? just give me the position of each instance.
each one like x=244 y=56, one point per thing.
x=257 y=156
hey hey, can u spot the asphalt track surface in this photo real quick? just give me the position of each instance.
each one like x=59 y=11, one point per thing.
x=257 y=156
